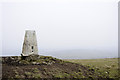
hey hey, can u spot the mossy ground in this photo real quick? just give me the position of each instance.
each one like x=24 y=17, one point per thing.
x=49 y=68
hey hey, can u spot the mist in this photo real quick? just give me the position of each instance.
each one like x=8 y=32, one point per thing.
x=64 y=29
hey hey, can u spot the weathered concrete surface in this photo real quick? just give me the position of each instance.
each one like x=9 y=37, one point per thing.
x=30 y=43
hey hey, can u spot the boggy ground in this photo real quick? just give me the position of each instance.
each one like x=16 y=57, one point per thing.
x=46 y=67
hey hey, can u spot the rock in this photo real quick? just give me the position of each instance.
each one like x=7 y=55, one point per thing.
x=45 y=63
x=50 y=63
x=32 y=57
x=23 y=62
x=34 y=63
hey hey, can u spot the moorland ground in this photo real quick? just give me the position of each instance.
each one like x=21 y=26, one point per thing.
x=108 y=65
x=51 y=68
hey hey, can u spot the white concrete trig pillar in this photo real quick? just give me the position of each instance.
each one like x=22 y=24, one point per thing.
x=30 y=43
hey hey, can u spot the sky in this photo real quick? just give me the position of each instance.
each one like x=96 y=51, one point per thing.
x=62 y=27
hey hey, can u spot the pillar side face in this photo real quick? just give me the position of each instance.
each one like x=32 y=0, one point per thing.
x=30 y=43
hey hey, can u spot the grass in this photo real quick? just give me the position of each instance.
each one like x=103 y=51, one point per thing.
x=48 y=67
x=35 y=70
x=107 y=65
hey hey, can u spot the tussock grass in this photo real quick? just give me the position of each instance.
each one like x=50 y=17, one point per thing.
x=107 y=65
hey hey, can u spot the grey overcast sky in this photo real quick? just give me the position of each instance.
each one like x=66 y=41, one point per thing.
x=61 y=25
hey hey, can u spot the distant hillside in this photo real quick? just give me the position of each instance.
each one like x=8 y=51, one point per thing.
x=83 y=54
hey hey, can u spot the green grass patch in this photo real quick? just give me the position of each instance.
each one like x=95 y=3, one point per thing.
x=107 y=66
